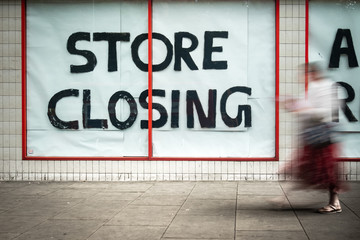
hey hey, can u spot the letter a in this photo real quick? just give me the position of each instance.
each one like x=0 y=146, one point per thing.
x=337 y=50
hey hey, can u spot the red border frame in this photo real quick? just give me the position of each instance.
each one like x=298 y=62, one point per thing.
x=23 y=76
x=341 y=159
x=306 y=42
x=150 y=150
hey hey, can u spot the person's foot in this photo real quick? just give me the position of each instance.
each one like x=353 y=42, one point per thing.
x=330 y=209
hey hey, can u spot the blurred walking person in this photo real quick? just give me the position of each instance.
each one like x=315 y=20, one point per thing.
x=316 y=163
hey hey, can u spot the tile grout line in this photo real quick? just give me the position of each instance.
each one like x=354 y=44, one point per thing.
x=297 y=217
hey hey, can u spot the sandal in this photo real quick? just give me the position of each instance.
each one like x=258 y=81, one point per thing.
x=329 y=209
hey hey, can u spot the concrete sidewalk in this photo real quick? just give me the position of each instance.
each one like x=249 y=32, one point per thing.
x=172 y=211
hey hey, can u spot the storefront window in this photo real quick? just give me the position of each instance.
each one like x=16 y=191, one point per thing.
x=214 y=76
x=83 y=87
x=334 y=43
x=212 y=80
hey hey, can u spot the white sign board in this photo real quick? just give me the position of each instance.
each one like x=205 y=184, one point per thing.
x=213 y=81
x=334 y=39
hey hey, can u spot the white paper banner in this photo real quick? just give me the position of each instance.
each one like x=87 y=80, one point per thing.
x=334 y=40
x=213 y=79
x=49 y=27
x=249 y=52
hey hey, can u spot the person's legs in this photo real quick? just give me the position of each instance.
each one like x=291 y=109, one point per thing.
x=334 y=202
x=334 y=197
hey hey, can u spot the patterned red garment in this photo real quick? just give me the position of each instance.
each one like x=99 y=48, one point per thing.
x=318 y=167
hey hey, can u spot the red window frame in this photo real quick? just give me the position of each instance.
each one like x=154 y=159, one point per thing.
x=150 y=150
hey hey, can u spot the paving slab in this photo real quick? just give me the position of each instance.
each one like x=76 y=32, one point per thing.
x=301 y=199
x=353 y=204
x=74 y=193
x=354 y=191
x=271 y=235
x=115 y=195
x=219 y=184
x=19 y=224
x=8 y=236
x=128 y=233
x=213 y=192
x=93 y=209
x=62 y=229
x=268 y=220
x=34 y=190
x=134 y=215
x=201 y=227
x=11 y=184
x=8 y=202
x=6 y=190
x=89 y=185
x=173 y=211
x=260 y=188
x=345 y=225
x=43 y=207
x=165 y=238
x=171 y=189
x=160 y=200
x=209 y=207
x=134 y=187
x=262 y=202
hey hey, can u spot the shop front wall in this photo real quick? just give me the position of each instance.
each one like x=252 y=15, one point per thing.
x=75 y=89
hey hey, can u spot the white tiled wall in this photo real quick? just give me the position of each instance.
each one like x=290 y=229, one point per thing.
x=12 y=167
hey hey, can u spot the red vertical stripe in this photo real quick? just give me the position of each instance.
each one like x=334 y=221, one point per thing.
x=23 y=77
x=277 y=75
x=150 y=78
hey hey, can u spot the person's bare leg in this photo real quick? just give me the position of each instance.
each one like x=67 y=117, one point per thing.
x=334 y=202
x=334 y=198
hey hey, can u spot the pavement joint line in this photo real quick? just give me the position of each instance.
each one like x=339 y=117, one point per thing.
x=343 y=203
x=236 y=201
x=110 y=218
x=308 y=220
x=297 y=217
x=162 y=236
